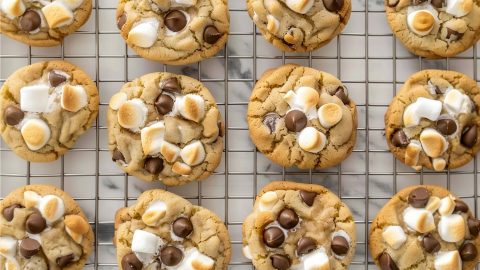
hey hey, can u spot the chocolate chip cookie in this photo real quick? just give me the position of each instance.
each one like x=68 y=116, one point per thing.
x=42 y=227
x=174 y=32
x=165 y=231
x=435 y=28
x=42 y=23
x=302 y=117
x=299 y=226
x=45 y=107
x=299 y=25
x=433 y=122
x=165 y=127
x=425 y=227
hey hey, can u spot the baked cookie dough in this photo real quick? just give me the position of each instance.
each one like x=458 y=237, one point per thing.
x=435 y=28
x=165 y=231
x=45 y=107
x=165 y=127
x=302 y=117
x=299 y=226
x=425 y=227
x=433 y=122
x=299 y=25
x=42 y=23
x=42 y=227
x=174 y=32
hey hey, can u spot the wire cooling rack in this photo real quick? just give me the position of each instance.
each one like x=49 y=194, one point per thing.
x=366 y=57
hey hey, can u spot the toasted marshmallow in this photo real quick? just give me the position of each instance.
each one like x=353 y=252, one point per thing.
x=418 y=219
x=449 y=260
x=304 y=99
x=194 y=260
x=181 y=168
x=316 y=260
x=132 y=114
x=31 y=199
x=187 y=3
x=394 y=236
x=193 y=153
x=52 y=208
x=421 y=22
x=312 y=140
x=447 y=205
x=34 y=98
x=422 y=108
x=169 y=151
x=330 y=114
x=145 y=33
x=13 y=8
x=72 y=4
x=12 y=264
x=433 y=204
x=35 y=133
x=433 y=143
x=76 y=226
x=273 y=24
x=8 y=246
x=439 y=164
x=451 y=228
x=117 y=100
x=145 y=242
x=191 y=107
x=73 y=98
x=267 y=201
x=247 y=252
x=459 y=8
x=57 y=14
x=412 y=153
x=300 y=6
x=152 y=138
x=154 y=213
x=456 y=102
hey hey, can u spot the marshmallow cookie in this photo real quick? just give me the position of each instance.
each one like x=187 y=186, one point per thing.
x=42 y=22
x=299 y=226
x=299 y=25
x=435 y=28
x=45 y=107
x=425 y=227
x=433 y=121
x=42 y=227
x=165 y=231
x=302 y=117
x=174 y=32
x=165 y=127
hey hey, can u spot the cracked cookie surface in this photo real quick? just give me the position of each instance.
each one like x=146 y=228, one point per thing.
x=164 y=231
x=175 y=32
x=433 y=120
x=42 y=227
x=425 y=227
x=299 y=226
x=45 y=107
x=301 y=117
x=435 y=28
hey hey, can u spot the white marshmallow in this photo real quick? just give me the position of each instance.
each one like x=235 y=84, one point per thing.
x=194 y=260
x=419 y=219
x=35 y=133
x=57 y=14
x=459 y=8
x=267 y=201
x=191 y=107
x=439 y=164
x=456 y=102
x=330 y=114
x=132 y=114
x=422 y=108
x=311 y=140
x=154 y=213
x=8 y=246
x=247 y=252
x=316 y=260
x=31 y=199
x=273 y=24
x=300 y=6
x=433 y=143
x=449 y=260
x=12 y=264
x=193 y=153
x=433 y=204
x=34 y=98
x=52 y=208
x=145 y=242
x=72 y=4
x=152 y=138
x=451 y=228
x=181 y=168
x=304 y=99
x=117 y=100
x=169 y=151
x=412 y=153
x=394 y=236
x=145 y=33
x=73 y=98
x=447 y=205
x=421 y=22
x=187 y=3
x=13 y=8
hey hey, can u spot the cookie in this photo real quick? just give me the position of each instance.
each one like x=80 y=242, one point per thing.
x=299 y=226
x=433 y=121
x=302 y=117
x=435 y=28
x=42 y=227
x=45 y=107
x=165 y=231
x=42 y=23
x=174 y=32
x=299 y=25
x=165 y=127
x=425 y=227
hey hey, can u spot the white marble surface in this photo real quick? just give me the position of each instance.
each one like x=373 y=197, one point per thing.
x=361 y=57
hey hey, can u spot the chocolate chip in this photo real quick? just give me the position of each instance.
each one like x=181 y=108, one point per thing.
x=469 y=136
x=308 y=197
x=30 y=21
x=438 y=90
x=418 y=2
x=117 y=155
x=305 y=245
x=65 y=260
x=35 y=223
x=8 y=212
x=270 y=120
x=131 y=262
x=221 y=129
x=273 y=237
x=468 y=252
x=453 y=35
x=164 y=104
x=153 y=165
x=171 y=85
x=171 y=255
x=446 y=126
x=438 y=3
x=333 y=5
x=175 y=20
x=288 y=218
x=211 y=34
x=55 y=78
x=473 y=226
x=295 y=120
x=182 y=227
x=399 y=138
x=280 y=262
x=121 y=21
x=418 y=197
x=392 y=3
x=340 y=245
x=29 y=248
x=460 y=206
x=12 y=115
x=386 y=262
x=430 y=244
x=342 y=95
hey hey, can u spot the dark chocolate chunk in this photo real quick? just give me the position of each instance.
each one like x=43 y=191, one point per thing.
x=12 y=115
x=65 y=260
x=153 y=165
x=308 y=197
x=469 y=136
x=131 y=262
x=446 y=126
x=164 y=104
x=386 y=262
x=182 y=227
x=8 y=212
x=273 y=237
x=280 y=262
x=56 y=79
x=30 y=21
x=288 y=219
x=468 y=252
x=171 y=255
x=430 y=243
x=418 y=197
x=340 y=245
x=295 y=120
x=399 y=138
x=270 y=121
x=35 y=223
x=211 y=34
x=305 y=245
x=333 y=5
x=175 y=20
x=29 y=247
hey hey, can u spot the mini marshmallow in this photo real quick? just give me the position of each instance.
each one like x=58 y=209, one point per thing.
x=459 y=8
x=117 y=100
x=191 y=107
x=8 y=246
x=447 y=205
x=52 y=208
x=451 y=228
x=433 y=143
x=247 y=252
x=311 y=140
x=330 y=114
x=316 y=260
x=412 y=153
x=272 y=24
x=394 y=236
x=34 y=98
x=187 y=3
x=132 y=114
x=422 y=108
x=31 y=199
x=456 y=102
x=72 y=4
x=439 y=164
x=154 y=213
x=304 y=99
x=145 y=242
x=170 y=151
x=421 y=22
x=12 y=264
x=267 y=201
x=57 y=14
x=449 y=260
x=13 y=8
x=76 y=226
x=194 y=260
x=152 y=138
x=73 y=98
x=418 y=219
x=433 y=204
x=181 y=168
x=145 y=33
x=193 y=153
x=35 y=133
x=300 y=6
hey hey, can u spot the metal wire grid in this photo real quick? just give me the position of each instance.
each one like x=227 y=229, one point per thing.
x=371 y=203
